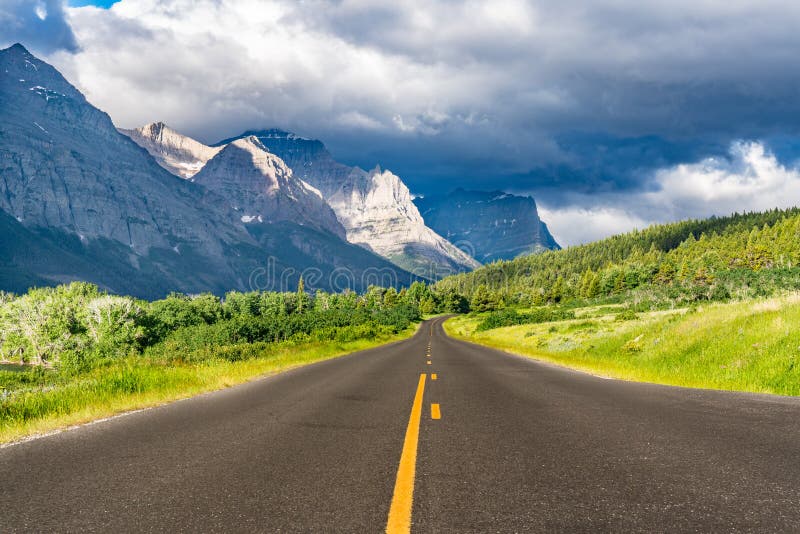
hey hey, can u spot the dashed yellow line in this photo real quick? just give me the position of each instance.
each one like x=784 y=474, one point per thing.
x=429 y=362
x=403 y=498
x=434 y=376
x=436 y=413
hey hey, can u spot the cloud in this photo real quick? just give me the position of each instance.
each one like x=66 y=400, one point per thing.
x=592 y=107
x=573 y=225
x=750 y=178
x=39 y=25
x=459 y=92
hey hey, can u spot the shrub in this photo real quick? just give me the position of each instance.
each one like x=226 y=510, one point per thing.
x=626 y=315
x=511 y=317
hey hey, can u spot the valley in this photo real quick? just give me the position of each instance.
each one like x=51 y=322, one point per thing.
x=299 y=305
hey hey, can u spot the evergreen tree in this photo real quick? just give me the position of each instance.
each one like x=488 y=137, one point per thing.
x=481 y=300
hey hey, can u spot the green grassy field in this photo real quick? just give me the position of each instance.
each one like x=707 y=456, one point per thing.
x=137 y=383
x=746 y=346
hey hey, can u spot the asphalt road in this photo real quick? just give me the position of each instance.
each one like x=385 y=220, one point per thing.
x=520 y=446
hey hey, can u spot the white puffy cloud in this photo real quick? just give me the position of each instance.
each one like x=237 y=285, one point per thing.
x=750 y=179
x=576 y=224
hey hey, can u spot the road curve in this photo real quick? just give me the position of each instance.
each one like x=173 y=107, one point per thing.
x=520 y=446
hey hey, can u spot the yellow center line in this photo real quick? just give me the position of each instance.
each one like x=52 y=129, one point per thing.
x=435 y=412
x=434 y=376
x=403 y=498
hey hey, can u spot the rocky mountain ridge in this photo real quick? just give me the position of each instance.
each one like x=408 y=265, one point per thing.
x=98 y=207
x=149 y=210
x=179 y=154
x=491 y=225
x=263 y=189
x=375 y=207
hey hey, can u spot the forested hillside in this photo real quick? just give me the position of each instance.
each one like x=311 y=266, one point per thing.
x=750 y=254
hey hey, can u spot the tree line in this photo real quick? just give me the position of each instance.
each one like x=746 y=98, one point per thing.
x=76 y=327
x=743 y=255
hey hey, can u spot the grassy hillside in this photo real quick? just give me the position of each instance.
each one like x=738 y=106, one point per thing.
x=704 y=303
x=744 y=255
x=746 y=346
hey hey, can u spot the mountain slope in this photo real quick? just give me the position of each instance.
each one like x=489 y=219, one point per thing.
x=66 y=172
x=752 y=254
x=375 y=207
x=65 y=168
x=179 y=154
x=262 y=188
x=493 y=225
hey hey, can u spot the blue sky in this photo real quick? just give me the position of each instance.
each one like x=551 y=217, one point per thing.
x=598 y=108
x=98 y=3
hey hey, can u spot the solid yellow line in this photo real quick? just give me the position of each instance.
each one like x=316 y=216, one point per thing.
x=435 y=412
x=434 y=376
x=403 y=498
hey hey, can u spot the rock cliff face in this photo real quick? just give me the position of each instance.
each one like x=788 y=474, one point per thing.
x=177 y=153
x=65 y=166
x=96 y=206
x=375 y=207
x=263 y=189
x=377 y=210
x=492 y=225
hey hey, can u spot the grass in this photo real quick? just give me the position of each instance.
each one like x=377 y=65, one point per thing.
x=12 y=367
x=137 y=383
x=744 y=346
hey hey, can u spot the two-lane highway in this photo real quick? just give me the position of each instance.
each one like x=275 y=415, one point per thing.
x=493 y=443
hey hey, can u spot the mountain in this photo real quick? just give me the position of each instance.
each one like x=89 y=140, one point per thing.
x=65 y=168
x=101 y=209
x=263 y=189
x=492 y=225
x=179 y=154
x=375 y=207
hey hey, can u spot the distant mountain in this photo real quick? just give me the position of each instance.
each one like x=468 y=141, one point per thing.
x=374 y=206
x=179 y=154
x=100 y=208
x=263 y=189
x=492 y=225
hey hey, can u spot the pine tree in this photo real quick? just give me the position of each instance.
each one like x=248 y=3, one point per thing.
x=427 y=305
x=480 y=299
x=390 y=298
x=301 y=295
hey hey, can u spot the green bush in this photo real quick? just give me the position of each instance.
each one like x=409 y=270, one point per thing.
x=511 y=317
x=626 y=315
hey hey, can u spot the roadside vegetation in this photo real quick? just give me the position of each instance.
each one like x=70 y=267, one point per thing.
x=707 y=303
x=73 y=353
x=703 y=303
x=751 y=345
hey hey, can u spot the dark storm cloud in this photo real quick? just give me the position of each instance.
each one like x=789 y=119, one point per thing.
x=576 y=100
x=39 y=25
